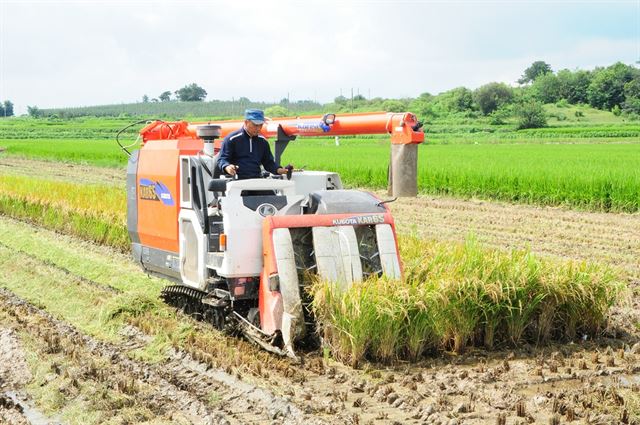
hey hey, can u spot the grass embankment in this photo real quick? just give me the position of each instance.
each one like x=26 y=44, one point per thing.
x=455 y=296
x=93 y=212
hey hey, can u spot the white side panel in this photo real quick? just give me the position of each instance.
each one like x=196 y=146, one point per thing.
x=243 y=227
x=337 y=255
x=326 y=250
x=388 y=252
x=292 y=316
x=193 y=250
x=310 y=181
x=185 y=189
x=350 y=254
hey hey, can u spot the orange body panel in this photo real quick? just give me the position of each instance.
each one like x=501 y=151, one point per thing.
x=269 y=302
x=157 y=190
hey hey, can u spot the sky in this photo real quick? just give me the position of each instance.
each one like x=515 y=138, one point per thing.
x=79 y=53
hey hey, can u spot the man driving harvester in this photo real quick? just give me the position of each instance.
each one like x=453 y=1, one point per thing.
x=244 y=150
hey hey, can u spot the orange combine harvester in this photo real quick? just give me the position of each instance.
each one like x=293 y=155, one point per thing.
x=240 y=251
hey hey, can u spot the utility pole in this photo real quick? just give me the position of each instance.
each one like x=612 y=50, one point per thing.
x=352 y=99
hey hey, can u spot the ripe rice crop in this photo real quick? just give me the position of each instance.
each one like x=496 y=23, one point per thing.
x=93 y=212
x=456 y=295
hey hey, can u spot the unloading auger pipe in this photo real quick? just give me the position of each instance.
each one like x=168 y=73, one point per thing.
x=402 y=123
x=403 y=128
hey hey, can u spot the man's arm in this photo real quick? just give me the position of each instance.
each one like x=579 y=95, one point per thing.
x=224 y=158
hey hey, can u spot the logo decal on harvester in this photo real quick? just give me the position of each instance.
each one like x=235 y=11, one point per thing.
x=310 y=127
x=155 y=191
x=359 y=219
x=266 y=210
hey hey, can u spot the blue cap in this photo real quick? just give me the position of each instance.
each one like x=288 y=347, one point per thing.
x=256 y=116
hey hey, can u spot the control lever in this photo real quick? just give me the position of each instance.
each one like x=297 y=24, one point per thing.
x=381 y=203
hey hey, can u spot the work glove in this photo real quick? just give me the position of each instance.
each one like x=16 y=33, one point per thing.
x=289 y=169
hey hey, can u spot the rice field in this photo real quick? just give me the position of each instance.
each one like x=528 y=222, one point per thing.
x=600 y=177
x=589 y=176
x=94 y=212
x=452 y=296
x=459 y=295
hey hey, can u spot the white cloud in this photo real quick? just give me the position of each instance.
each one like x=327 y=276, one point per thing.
x=71 y=53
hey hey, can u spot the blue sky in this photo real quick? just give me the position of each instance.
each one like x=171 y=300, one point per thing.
x=74 y=53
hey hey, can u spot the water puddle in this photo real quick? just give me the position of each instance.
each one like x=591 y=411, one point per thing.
x=34 y=416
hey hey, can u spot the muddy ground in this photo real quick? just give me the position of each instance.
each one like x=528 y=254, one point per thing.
x=577 y=382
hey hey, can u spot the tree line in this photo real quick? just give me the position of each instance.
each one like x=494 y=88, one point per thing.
x=189 y=93
x=6 y=109
x=615 y=88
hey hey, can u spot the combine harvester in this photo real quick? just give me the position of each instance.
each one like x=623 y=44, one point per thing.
x=241 y=251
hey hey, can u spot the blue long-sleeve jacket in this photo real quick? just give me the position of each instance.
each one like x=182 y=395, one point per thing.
x=248 y=153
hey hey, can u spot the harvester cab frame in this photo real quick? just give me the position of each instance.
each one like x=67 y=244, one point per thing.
x=242 y=252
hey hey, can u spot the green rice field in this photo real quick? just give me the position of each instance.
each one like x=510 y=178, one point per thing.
x=586 y=165
x=602 y=177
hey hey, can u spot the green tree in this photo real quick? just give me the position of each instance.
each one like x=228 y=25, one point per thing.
x=631 y=104
x=500 y=115
x=423 y=106
x=34 y=111
x=165 y=96
x=145 y=99
x=491 y=96
x=607 y=86
x=459 y=99
x=340 y=100
x=536 y=69
x=530 y=114
x=7 y=109
x=276 y=111
x=574 y=85
x=394 y=105
x=546 y=88
x=191 y=93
